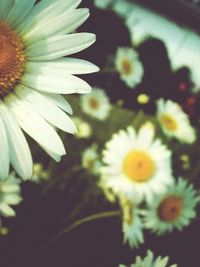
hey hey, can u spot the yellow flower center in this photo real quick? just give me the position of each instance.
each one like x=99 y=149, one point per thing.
x=127 y=67
x=169 y=122
x=94 y=104
x=138 y=166
x=170 y=209
x=12 y=59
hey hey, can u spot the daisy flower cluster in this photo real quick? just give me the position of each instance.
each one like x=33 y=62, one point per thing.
x=137 y=170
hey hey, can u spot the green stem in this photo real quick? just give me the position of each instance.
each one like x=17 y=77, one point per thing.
x=90 y=218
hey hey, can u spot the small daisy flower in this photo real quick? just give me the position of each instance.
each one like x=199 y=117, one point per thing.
x=84 y=130
x=39 y=173
x=150 y=261
x=96 y=104
x=90 y=159
x=34 y=38
x=174 y=122
x=135 y=164
x=131 y=224
x=10 y=194
x=129 y=66
x=173 y=209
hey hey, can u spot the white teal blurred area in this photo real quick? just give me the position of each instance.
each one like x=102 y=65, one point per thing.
x=183 y=44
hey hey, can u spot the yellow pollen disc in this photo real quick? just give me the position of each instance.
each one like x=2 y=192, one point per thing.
x=12 y=59
x=170 y=209
x=169 y=122
x=94 y=104
x=127 y=67
x=138 y=166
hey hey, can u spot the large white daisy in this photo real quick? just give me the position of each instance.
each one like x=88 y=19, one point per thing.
x=33 y=73
x=96 y=104
x=129 y=66
x=131 y=224
x=10 y=194
x=135 y=164
x=173 y=209
x=174 y=122
x=150 y=261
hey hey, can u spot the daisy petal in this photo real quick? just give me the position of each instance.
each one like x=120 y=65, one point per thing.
x=63 y=24
x=59 y=101
x=45 y=10
x=67 y=65
x=4 y=156
x=46 y=109
x=53 y=155
x=19 y=11
x=51 y=84
x=5 y=7
x=19 y=152
x=6 y=210
x=59 y=46
x=35 y=126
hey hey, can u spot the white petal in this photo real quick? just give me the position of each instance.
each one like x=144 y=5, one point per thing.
x=53 y=155
x=46 y=109
x=46 y=10
x=35 y=126
x=51 y=84
x=6 y=210
x=63 y=24
x=4 y=156
x=12 y=199
x=67 y=65
x=19 y=11
x=59 y=46
x=5 y=7
x=19 y=151
x=59 y=101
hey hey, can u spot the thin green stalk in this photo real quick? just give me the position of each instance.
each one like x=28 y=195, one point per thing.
x=90 y=218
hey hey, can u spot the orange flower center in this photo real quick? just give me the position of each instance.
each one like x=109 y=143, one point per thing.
x=94 y=104
x=127 y=67
x=169 y=122
x=12 y=59
x=138 y=166
x=170 y=209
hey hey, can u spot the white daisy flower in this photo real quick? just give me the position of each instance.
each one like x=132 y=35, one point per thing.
x=150 y=261
x=129 y=66
x=90 y=159
x=173 y=209
x=96 y=104
x=10 y=194
x=174 y=122
x=131 y=224
x=40 y=174
x=34 y=38
x=136 y=164
x=84 y=130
